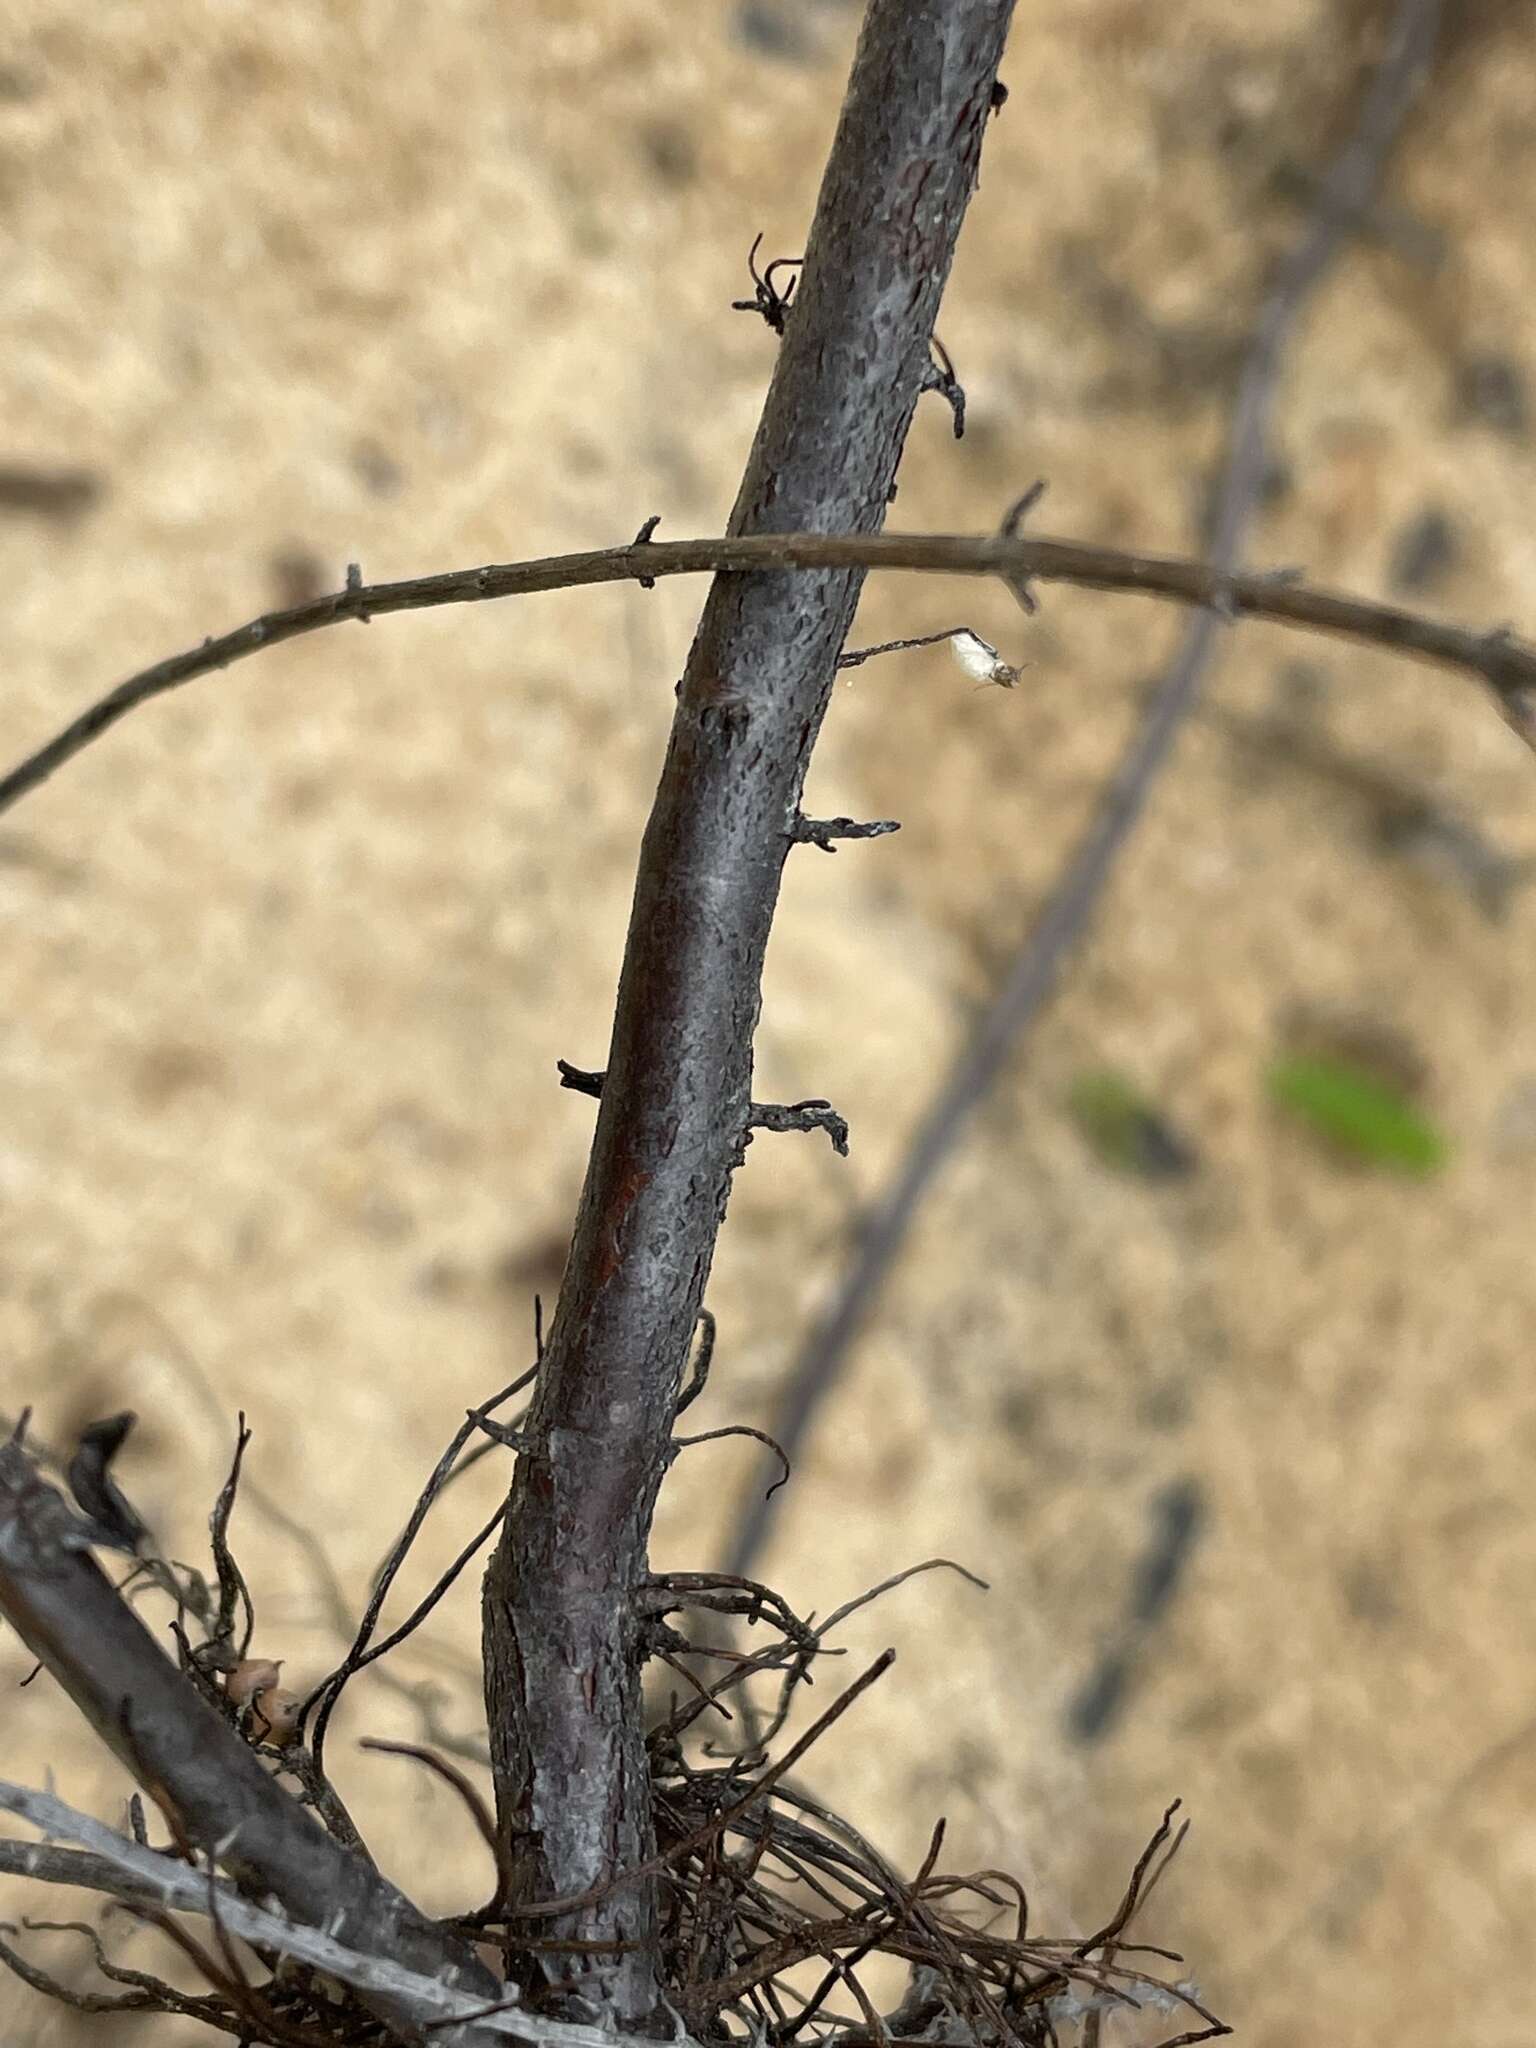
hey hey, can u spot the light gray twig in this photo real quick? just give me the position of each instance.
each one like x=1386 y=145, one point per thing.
x=112 y=1863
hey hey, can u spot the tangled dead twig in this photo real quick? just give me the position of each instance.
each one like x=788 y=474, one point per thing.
x=769 y=301
x=1497 y=658
x=323 y=1699
x=148 y=1993
x=757 y=1878
x=773 y=303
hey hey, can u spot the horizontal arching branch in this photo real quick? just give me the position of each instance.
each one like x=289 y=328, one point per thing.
x=1499 y=659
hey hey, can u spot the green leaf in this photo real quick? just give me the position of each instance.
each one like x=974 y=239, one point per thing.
x=1358 y=1113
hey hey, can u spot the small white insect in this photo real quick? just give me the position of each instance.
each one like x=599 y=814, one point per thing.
x=983 y=664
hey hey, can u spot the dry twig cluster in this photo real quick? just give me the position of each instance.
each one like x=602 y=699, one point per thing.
x=647 y=1875
x=758 y=1879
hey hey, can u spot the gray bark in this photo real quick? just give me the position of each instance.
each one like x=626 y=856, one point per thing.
x=562 y=1647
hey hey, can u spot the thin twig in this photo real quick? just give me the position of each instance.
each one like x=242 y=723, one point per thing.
x=359 y=1659
x=216 y=1795
x=1219 y=590
x=1143 y=1877
x=479 y=1812
x=142 y=1874
x=189 y=2006
x=340 y=1617
x=1500 y=659
x=233 y=1590
x=798 y=1670
x=758 y=1789
x=330 y=1808
x=889 y=1585
x=761 y=1436
x=328 y=1692
x=857 y=656
x=823 y=831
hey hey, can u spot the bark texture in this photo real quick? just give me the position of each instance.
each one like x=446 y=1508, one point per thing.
x=563 y=1650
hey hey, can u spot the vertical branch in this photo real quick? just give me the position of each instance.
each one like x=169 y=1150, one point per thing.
x=562 y=1653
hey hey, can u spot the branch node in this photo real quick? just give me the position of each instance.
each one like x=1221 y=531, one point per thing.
x=939 y=375
x=580 y=1080
x=767 y=300
x=1008 y=529
x=703 y=1359
x=641 y=539
x=499 y=1432
x=355 y=590
x=814 y=1114
x=1020 y=509
x=823 y=831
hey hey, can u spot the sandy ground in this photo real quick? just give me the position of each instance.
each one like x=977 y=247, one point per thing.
x=289 y=958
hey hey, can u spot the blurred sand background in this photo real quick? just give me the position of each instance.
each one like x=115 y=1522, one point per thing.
x=289 y=957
